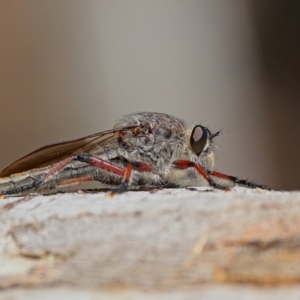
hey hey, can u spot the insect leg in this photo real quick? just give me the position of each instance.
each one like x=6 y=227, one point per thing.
x=184 y=164
x=100 y=163
x=91 y=160
x=125 y=182
x=76 y=180
x=137 y=165
x=236 y=180
x=108 y=166
x=87 y=158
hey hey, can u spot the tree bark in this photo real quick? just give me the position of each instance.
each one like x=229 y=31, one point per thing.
x=163 y=240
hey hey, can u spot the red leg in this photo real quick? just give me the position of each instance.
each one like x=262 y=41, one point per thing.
x=184 y=164
x=57 y=168
x=109 y=167
x=76 y=180
x=88 y=158
x=139 y=166
x=95 y=161
x=125 y=182
x=222 y=176
x=101 y=164
x=91 y=160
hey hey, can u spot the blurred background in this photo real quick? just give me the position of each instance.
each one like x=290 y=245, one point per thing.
x=70 y=68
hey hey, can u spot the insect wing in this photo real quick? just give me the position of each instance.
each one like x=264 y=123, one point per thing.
x=54 y=153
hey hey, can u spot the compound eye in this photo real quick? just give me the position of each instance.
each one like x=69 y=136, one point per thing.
x=198 y=139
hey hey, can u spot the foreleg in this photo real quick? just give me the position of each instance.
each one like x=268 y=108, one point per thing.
x=184 y=164
x=237 y=180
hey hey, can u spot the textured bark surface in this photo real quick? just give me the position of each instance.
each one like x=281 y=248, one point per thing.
x=166 y=242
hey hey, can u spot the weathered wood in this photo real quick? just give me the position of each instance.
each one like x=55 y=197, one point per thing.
x=152 y=240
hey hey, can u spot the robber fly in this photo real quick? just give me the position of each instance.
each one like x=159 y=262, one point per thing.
x=144 y=150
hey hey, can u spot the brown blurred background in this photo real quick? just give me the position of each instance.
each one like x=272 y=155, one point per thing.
x=69 y=68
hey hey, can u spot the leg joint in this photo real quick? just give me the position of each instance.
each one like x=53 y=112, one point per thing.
x=83 y=157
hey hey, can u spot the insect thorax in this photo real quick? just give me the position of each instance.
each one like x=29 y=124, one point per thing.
x=154 y=140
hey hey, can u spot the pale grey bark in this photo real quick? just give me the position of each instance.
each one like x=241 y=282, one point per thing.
x=189 y=241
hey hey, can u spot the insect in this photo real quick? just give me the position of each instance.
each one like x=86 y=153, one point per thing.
x=144 y=150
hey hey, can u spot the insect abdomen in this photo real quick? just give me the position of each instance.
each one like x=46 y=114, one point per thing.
x=18 y=180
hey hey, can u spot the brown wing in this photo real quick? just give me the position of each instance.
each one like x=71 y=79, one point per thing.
x=54 y=153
